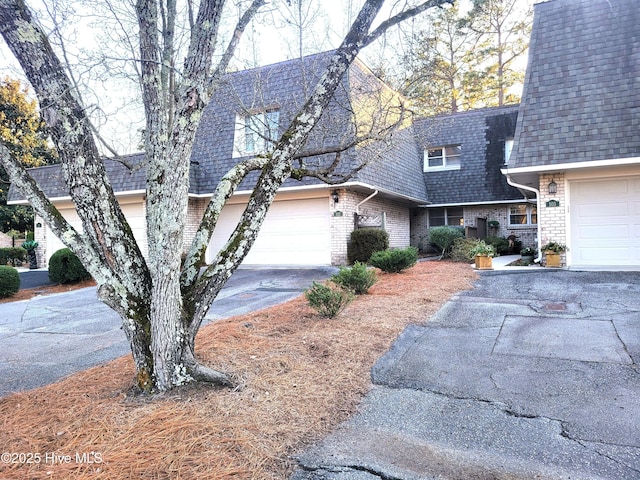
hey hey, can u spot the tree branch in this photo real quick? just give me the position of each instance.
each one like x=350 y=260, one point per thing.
x=402 y=16
x=224 y=190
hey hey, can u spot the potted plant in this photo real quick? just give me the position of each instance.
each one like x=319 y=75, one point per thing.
x=493 y=224
x=552 y=251
x=483 y=254
x=30 y=246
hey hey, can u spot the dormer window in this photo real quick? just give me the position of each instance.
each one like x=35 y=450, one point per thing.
x=442 y=158
x=255 y=133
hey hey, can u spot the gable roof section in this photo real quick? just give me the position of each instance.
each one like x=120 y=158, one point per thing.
x=481 y=134
x=284 y=86
x=581 y=100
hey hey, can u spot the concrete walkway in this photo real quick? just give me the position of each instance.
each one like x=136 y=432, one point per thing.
x=530 y=375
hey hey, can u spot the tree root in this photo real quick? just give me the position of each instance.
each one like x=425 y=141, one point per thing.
x=200 y=373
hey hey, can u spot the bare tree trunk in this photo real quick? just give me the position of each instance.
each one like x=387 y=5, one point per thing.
x=162 y=305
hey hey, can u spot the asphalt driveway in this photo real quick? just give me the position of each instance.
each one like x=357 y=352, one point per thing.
x=527 y=376
x=49 y=337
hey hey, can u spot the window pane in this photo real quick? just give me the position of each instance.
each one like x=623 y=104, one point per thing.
x=435 y=157
x=518 y=215
x=273 y=118
x=534 y=215
x=455 y=217
x=453 y=151
x=436 y=217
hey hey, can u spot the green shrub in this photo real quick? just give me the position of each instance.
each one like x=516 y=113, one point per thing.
x=9 y=281
x=461 y=250
x=502 y=245
x=358 y=278
x=443 y=238
x=396 y=260
x=328 y=301
x=365 y=241
x=12 y=255
x=65 y=267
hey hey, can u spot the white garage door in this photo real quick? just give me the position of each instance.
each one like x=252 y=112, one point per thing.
x=133 y=212
x=295 y=232
x=605 y=222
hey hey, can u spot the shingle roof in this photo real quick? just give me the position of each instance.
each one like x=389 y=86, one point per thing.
x=581 y=100
x=50 y=179
x=284 y=86
x=481 y=134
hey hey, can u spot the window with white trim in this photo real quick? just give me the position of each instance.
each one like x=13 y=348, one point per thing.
x=442 y=158
x=523 y=214
x=508 y=146
x=255 y=133
x=451 y=216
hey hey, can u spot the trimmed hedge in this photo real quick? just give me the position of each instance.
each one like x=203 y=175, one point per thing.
x=13 y=255
x=396 y=260
x=9 y=281
x=365 y=241
x=65 y=267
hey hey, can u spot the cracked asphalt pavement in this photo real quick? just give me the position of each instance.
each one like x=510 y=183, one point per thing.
x=530 y=375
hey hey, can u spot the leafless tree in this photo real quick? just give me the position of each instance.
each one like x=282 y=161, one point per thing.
x=161 y=302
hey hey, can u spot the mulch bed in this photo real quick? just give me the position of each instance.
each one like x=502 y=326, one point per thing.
x=297 y=376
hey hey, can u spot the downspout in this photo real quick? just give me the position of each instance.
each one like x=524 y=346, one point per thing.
x=538 y=206
x=365 y=201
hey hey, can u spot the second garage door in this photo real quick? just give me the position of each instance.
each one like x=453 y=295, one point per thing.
x=295 y=232
x=605 y=222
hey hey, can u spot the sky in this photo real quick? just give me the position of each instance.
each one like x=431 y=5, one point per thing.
x=270 y=39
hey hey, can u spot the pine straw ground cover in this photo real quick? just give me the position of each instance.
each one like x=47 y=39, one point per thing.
x=298 y=376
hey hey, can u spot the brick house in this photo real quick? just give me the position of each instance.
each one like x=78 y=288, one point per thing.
x=462 y=157
x=577 y=144
x=309 y=221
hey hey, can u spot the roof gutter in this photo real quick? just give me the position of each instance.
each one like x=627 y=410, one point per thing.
x=511 y=182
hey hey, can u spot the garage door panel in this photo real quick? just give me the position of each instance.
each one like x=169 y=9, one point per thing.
x=598 y=232
x=605 y=222
x=591 y=191
x=295 y=232
x=604 y=210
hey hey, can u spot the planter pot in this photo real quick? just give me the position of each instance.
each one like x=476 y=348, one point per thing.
x=553 y=259
x=527 y=258
x=484 y=262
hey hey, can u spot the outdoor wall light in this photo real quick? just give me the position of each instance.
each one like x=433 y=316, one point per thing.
x=552 y=187
x=335 y=196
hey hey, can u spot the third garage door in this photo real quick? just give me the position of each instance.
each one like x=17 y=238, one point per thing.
x=605 y=222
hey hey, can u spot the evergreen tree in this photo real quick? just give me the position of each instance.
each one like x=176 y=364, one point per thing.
x=24 y=134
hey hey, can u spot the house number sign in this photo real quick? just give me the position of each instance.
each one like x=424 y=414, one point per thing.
x=553 y=203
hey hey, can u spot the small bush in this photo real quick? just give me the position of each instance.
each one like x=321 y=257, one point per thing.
x=461 y=251
x=365 y=241
x=65 y=267
x=12 y=255
x=326 y=300
x=358 y=278
x=502 y=245
x=396 y=260
x=9 y=281
x=443 y=238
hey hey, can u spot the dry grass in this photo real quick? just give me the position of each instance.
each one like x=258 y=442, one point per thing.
x=298 y=377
